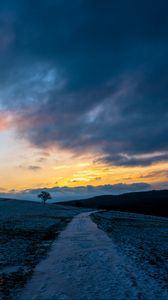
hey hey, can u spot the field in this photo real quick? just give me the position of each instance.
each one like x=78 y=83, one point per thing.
x=101 y=255
x=27 y=231
x=143 y=241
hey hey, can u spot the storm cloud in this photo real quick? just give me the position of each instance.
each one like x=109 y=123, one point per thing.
x=88 y=75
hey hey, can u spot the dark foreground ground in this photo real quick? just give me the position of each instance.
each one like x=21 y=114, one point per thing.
x=27 y=231
x=144 y=241
x=130 y=263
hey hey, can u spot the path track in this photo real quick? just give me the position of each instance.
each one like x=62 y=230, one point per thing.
x=85 y=264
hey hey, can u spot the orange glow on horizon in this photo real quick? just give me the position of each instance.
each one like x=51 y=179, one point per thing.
x=26 y=167
x=73 y=176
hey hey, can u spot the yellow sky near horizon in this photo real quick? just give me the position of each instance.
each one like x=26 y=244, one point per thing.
x=25 y=167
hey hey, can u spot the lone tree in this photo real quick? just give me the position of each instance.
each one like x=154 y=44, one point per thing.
x=44 y=196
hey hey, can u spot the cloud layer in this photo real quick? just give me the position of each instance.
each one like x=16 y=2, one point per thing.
x=81 y=192
x=88 y=75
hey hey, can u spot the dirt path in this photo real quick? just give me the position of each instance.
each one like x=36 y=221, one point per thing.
x=84 y=264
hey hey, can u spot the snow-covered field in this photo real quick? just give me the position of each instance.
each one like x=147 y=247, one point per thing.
x=143 y=241
x=98 y=256
x=85 y=263
x=27 y=230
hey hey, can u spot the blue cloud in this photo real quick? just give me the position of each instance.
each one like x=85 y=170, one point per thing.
x=88 y=75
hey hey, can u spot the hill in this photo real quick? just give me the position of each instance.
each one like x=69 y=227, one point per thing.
x=151 y=202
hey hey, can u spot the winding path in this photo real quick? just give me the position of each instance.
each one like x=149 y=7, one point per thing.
x=83 y=264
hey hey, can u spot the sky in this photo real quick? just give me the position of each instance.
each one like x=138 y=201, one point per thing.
x=83 y=96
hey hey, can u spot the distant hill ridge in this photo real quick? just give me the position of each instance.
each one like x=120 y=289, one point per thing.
x=151 y=202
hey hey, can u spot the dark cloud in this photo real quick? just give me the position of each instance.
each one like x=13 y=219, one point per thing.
x=88 y=75
x=125 y=160
x=41 y=160
x=34 y=168
x=31 y=167
x=155 y=174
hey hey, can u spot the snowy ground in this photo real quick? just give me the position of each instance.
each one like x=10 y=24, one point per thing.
x=27 y=231
x=87 y=264
x=143 y=242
